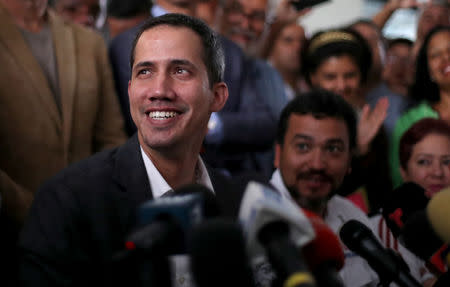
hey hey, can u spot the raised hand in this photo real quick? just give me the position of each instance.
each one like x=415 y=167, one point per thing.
x=286 y=12
x=369 y=124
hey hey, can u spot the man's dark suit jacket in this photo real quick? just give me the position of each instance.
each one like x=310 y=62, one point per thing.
x=80 y=218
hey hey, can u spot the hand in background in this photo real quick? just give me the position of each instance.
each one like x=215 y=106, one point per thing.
x=369 y=124
x=286 y=12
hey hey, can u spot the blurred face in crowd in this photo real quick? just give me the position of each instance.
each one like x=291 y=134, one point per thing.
x=397 y=72
x=432 y=16
x=341 y=75
x=171 y=98
x=314 y=158
x=26 y=8
x=243 y=21
x=372 y=37
x=207 y=11
x=429 y=164
x=438 y=54
x=285 y=55
x=83 y=12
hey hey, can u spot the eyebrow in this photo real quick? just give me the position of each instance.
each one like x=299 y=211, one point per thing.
x=143 y=64
x=302 y=136
x=329 y=141
x=336 y=141
x=432 y=155
x=171 y=62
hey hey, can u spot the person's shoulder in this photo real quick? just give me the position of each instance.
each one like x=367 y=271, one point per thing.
x=229 y=46
x=340 y=201
x=86 y=174
x=414 y=114
x=341 y=206
x=125 y=39
x=230 y=190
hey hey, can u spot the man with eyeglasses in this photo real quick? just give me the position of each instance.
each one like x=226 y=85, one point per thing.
x=243 y=21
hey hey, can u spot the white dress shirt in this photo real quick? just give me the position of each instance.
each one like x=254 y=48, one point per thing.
x=180 y=263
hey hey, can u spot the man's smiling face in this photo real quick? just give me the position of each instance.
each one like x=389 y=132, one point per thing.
x=171 y=98
x=314 y=158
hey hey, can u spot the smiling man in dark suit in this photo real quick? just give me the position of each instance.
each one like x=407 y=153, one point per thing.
x=81 y=217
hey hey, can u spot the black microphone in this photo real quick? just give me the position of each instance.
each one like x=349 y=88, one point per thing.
x=404 y=201
x=162 y=225
x=284 y=256
x=218 y=255
x=275 y=227
x=360 y=239
x=419 y=236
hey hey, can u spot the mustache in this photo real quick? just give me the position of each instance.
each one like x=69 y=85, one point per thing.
x=320 y=174
x=245 y=32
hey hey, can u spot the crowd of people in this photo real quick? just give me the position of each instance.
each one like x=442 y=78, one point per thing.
x=217 y=92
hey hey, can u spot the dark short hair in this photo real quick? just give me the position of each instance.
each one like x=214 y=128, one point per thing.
x=423 y=87
x=335 y=43
x=399 y=41
x=213 y=56
x=319 y=104
x=416 y=133
x=125 y=9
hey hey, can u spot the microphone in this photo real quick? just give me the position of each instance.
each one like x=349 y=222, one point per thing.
x=419 y=236
x=276 y=227
x=438 y=212
x=218 y=255
x=360 y=239
x=404 y=201
x=162 y=225
x=324 y=254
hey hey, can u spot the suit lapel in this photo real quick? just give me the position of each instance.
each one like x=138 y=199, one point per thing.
x=130 y=173
x=12 y=38
x=64 y=43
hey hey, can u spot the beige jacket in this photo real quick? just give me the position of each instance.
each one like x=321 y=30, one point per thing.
x=35 y=140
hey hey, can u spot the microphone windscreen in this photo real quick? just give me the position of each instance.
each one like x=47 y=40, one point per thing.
x=419 y=237
x=218 y=255
x=403 y=202
x=325 y=247
x=210 y=206
x=352 y=233
x=438 y=211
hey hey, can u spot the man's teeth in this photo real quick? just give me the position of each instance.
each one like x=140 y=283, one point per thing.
x=447 y=69
x=162 y=115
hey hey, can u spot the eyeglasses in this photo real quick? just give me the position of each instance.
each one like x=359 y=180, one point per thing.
x=237 y=10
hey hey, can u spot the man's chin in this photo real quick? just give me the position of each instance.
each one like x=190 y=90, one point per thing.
x=314 y=199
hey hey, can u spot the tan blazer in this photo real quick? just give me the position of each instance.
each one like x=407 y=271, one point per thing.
x=35 y=140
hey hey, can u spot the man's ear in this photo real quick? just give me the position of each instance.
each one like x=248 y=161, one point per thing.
x=129 y=85
x=220 y=93
x=276 y=160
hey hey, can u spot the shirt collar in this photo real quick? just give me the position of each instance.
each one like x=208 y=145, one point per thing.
x=159 y=185
x=278 y=183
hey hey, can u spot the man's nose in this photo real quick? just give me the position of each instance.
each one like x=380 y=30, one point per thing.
x=340 y=84
x=161 y=87
x=317 y=159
